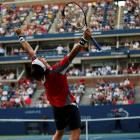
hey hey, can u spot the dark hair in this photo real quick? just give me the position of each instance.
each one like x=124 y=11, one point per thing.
x=37 y=72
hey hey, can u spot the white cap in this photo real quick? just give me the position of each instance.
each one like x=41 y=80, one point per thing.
x=38 y=62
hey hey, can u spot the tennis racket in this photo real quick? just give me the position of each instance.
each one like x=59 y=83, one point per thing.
x=76 y=17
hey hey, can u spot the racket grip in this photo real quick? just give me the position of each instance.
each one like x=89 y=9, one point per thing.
x=95 y=43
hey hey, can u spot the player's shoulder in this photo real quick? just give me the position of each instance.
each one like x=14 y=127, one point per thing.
x=59 y=65
x=54 y=66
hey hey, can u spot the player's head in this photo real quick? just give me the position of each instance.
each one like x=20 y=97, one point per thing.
x=38 y=69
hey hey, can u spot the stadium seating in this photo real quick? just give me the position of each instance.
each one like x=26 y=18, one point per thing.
x=131 y=14
x=39 y=18
x=17 y=95
x=13 y=17
x=104 y=70
x=122 y=93
x=103 y=16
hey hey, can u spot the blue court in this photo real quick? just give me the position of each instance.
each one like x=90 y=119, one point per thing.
x=118 y=136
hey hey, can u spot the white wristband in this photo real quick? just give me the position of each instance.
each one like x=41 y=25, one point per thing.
x=82 y=42
x=21 y=39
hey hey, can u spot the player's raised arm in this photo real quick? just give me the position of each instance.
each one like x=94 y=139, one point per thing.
x=26 y=46
x=86 y=37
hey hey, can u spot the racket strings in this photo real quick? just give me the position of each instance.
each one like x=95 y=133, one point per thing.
x=74 y=15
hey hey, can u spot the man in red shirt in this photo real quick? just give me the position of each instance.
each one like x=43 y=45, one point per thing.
x=66 y=112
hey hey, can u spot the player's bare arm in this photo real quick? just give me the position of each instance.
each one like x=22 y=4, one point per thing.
x=82 y=42
x=26 y=46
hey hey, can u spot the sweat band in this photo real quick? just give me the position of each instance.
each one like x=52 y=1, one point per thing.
x=82 y=42
x=21 y=39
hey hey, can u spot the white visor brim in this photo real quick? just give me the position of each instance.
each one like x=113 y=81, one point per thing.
x=38 y=62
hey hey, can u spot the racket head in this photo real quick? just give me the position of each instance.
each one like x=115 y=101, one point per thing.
x=75 y=15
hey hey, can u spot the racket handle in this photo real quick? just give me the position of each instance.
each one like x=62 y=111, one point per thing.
x=95 y=43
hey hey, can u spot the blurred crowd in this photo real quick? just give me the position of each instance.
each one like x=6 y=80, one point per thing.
x=132 y=14
x=38 y=19
x=103 y=15
x=122 y=93
x=14 y=96
x=42 y=17
x=12 y=17
x=41 y=101
x=8 y=74
x=35 y=19
x=89 y=71
x=133 y=45
x=60 y=49
x=104 y=70
x=78 y=90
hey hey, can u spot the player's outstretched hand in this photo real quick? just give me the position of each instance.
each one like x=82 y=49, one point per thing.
x=87 y=34
x=19 y=32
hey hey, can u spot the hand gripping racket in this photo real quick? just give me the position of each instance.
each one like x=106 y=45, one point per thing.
x=76 y=17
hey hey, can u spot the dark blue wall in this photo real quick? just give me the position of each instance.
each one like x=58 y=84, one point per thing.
x=87 y=112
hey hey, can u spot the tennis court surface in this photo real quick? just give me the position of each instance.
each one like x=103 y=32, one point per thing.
x=120 y=136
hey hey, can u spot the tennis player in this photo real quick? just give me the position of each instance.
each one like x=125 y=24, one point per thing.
x=66 y=112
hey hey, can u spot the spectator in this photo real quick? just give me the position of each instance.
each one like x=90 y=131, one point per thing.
x=20 y=96
x=59 y=49
x=2 y=50
x=113 y=93
x=131 y=14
